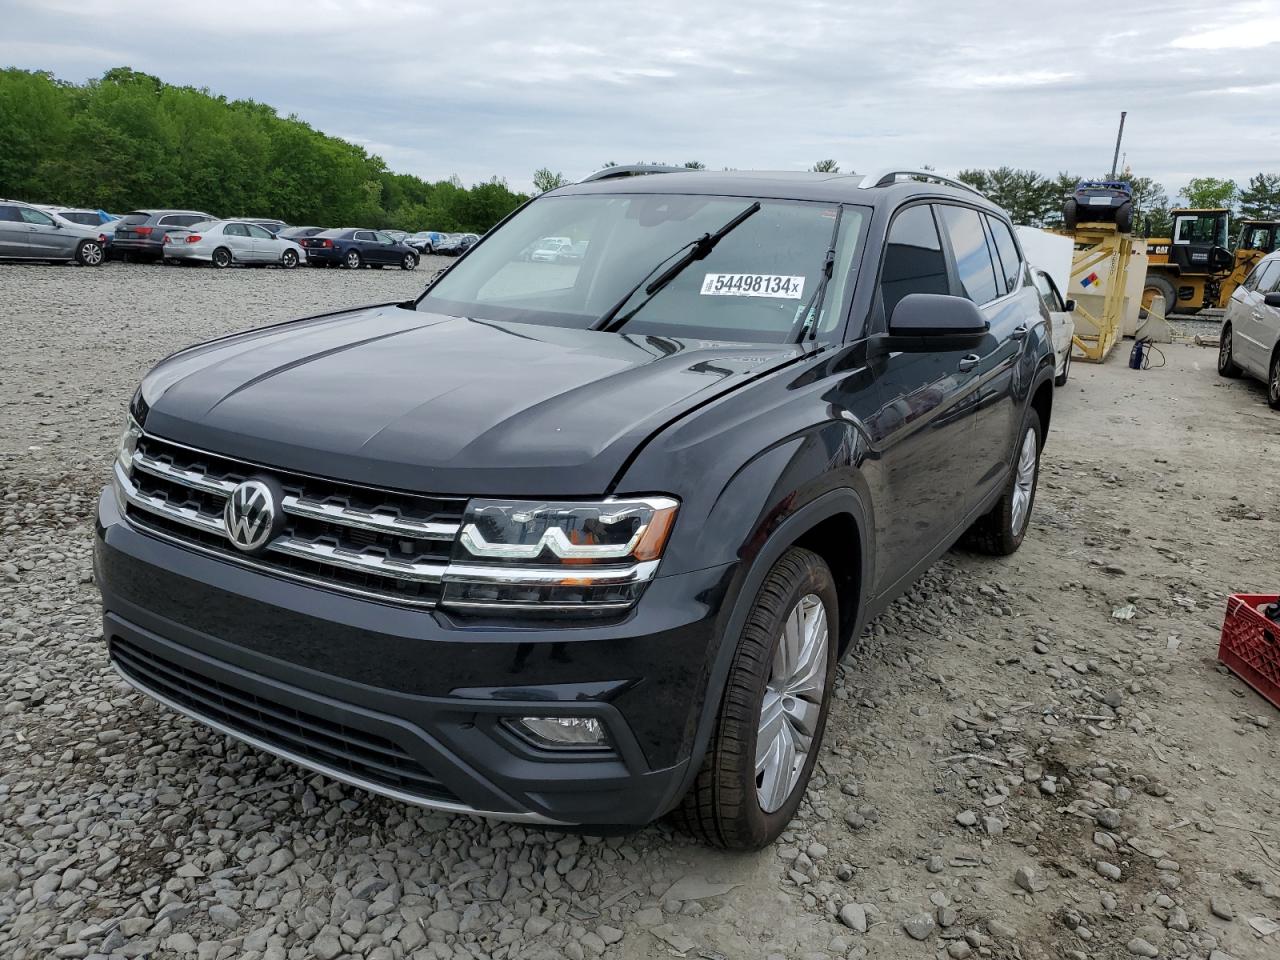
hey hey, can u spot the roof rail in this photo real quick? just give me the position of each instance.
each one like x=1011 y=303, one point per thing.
x=630 y=170
x=883 y=178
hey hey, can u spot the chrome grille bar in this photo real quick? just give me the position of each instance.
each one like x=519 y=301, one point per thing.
x=188 y=516
x=368 y=520
x=363 y=562
x=194 y=479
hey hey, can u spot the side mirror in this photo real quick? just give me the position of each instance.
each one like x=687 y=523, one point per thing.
x=937 y=315
x=1271 y=299
x=1069 y=306
x=57 y=225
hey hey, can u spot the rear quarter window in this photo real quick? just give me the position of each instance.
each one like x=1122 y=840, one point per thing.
x=1008 y=261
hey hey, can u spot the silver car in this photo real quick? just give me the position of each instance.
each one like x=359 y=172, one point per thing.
x=29 y=233
x=224 y=242
x=1250 y=341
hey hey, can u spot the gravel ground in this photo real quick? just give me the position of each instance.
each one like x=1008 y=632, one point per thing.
x=1029 y=758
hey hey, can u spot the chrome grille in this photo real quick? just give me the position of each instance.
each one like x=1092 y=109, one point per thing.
x=387 y=544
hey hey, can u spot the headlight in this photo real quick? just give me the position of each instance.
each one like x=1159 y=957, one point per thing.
x=128 y=444
x=557 y=557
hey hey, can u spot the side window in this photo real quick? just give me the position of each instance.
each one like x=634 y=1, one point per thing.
x=1256 y=279
x=1048 y=293
x=9 y=214
x=36 y=217
x=235 y=230
x=363 y=235
x=1268 y=273
x=913 y=259
x=973 y=257
x=1010 y=262
x=383 y=238
x=257 y=232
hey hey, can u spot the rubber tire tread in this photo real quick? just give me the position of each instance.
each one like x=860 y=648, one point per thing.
x=1232 y=370
x=717 y=809
x=992 y=533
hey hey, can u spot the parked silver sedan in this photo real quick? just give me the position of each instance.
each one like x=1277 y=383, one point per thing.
x=29 y=233
x=224 y=242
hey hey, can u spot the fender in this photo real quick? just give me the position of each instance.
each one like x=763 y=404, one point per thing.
x=746 y=583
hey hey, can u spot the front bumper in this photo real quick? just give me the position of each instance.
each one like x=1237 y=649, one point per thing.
x=410 y=703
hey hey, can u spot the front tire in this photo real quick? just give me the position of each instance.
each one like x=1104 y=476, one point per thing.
x=1124 y=217
x=352 y=260
x=409 y=262
x=1156 y=284
x=90 y=254
x=1001 y=530
x=1070 y=213
x=772 y=712
x=289 y=259
x=221 y=258
x=1227 y=366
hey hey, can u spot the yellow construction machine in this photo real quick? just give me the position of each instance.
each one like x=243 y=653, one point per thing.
x=1194 y=269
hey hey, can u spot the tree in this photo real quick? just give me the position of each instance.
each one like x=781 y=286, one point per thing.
x=1209 y=192
x=825 y=166
x=1260 y=200
x=544 y=179
x=1150 y=206
x=130 y=140
x=694 y=165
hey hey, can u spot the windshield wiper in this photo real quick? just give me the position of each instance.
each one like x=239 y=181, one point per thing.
x=808 y=317
x=697 y=250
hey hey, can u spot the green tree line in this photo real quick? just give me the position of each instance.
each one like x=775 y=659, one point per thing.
x=129 y=140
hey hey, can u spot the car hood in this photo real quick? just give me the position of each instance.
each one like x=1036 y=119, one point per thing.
x=392 y=397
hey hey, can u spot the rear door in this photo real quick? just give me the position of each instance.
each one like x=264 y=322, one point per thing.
x=364 y=243
x=924 y=422
x=13 y=232
x=997 y=289
x=235 y=237
x=1063 y=323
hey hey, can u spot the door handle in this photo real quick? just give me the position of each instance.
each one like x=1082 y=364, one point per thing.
x=1018 y=332
x=969 y=362
x=1257 y=316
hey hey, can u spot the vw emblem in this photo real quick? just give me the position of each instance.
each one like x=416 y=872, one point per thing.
x=252 y=515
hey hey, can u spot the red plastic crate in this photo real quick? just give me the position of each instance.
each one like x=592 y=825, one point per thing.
x=1250 y=645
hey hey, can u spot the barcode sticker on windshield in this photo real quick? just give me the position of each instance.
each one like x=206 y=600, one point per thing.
x=752 y=285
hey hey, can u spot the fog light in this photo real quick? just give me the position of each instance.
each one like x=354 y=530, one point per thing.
x=561 y=731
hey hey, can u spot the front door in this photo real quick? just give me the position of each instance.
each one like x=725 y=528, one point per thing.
x=44 y=237
x=923 y=423
x=264 y=244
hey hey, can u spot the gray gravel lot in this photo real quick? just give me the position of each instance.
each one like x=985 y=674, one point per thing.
x=1031 y=758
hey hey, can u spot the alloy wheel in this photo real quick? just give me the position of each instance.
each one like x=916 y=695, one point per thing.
x=792 y=702
x=1024 y=483
x=353 y=260
x=1224 y=351
x=91 y=254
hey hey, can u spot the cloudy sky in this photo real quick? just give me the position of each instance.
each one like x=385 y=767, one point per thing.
x=498 y=87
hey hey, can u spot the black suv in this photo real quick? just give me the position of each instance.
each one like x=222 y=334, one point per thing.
x=582 y=543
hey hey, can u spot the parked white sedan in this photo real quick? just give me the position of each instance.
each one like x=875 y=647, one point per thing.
x=224 y=242
x=1250 y=340
x=1064 y=324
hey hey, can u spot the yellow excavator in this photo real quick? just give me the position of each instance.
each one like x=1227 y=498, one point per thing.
x=1194 y=269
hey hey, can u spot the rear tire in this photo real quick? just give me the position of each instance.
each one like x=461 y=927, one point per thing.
x=747 y=791
x=90 y=254
x=1124 y=217
x=1070 y=213
x=221 y=258
x=352 y=260
x=1227 y=366
x=1001 y=530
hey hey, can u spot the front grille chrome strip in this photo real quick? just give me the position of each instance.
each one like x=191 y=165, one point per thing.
x=194 y=479
x=367 y=520
x=188 y=516
x=363 y=562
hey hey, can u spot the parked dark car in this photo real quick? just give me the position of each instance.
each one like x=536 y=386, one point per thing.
x=1100 y=201
x=354 y=248
x=140 y=235
x=585 y=545
x=298 y=233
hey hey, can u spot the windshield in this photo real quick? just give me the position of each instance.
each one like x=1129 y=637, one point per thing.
x=752 y=287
